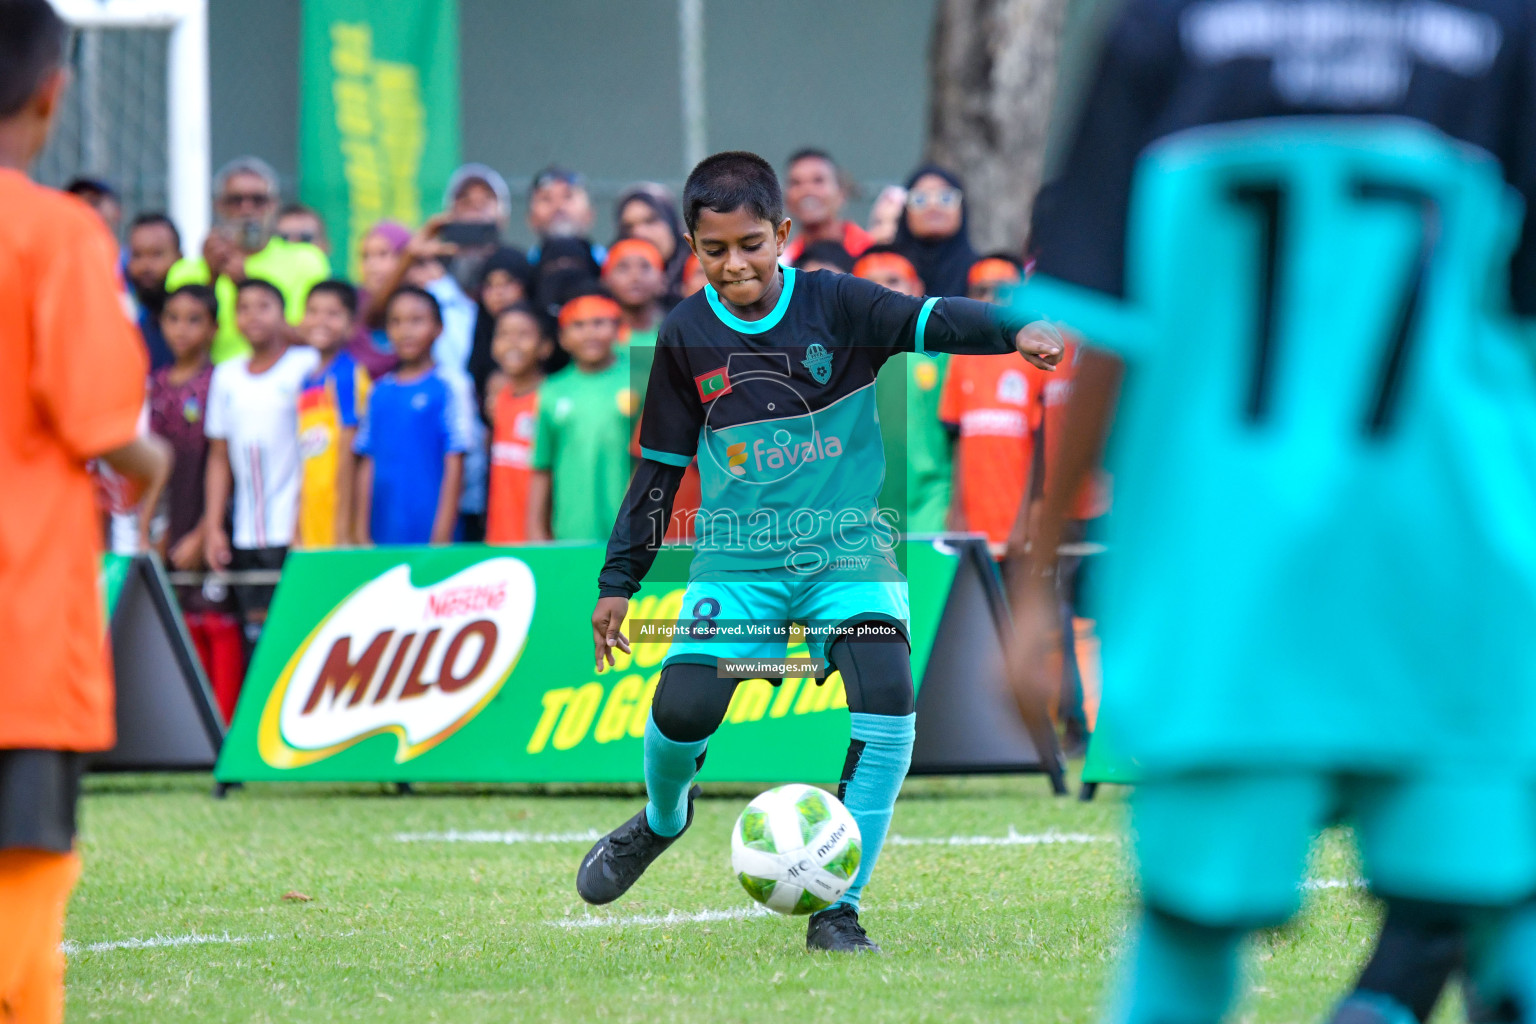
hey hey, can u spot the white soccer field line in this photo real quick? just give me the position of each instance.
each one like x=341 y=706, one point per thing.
x=1013 y=838
x=591 y=835
x=512 y=838
x=71 y=947
x=650 y=920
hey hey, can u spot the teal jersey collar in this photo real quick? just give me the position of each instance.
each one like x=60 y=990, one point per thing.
x=768 y=322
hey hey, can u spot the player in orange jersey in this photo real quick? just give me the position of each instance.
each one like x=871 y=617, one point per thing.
x=72 y=375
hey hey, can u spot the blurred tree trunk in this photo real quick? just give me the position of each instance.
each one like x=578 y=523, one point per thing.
x=992 y=79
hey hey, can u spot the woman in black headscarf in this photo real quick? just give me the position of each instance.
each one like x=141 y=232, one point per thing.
x=933 y=233
x=648 y=211
x=506 y=278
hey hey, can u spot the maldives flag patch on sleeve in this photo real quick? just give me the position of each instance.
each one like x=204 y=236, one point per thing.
x=713 y=384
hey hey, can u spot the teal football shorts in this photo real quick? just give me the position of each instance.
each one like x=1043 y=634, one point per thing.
x=743 y=617
x=1230 y=849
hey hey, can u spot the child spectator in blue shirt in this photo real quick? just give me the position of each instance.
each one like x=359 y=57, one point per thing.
x=411 y=444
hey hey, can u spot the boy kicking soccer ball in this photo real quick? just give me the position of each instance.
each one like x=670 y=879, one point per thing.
x=768 y=377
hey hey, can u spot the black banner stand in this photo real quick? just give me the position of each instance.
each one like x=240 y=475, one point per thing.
x=166 y=716
x=967 y=721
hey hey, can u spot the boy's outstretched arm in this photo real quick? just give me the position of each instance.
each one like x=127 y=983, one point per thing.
x=967 y=326
x=637 y=536
x=880 y=318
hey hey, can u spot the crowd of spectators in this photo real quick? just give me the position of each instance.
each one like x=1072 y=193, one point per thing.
x=464 y=389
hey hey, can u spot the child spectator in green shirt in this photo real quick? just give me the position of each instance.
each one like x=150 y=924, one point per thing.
x=581 y=457
x=634 y=276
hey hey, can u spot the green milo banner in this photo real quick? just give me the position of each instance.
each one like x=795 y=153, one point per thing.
x=474 y=663
x=379 y=111
x=113 y=574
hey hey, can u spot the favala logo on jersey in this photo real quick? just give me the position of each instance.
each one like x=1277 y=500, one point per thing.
x=786 y=452
x=419 y=662
x=736 y=457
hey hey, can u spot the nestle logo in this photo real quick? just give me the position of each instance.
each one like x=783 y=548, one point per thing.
x=455 y=601
x=376 y=664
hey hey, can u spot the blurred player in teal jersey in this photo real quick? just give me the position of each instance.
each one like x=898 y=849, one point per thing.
x=1296 y=232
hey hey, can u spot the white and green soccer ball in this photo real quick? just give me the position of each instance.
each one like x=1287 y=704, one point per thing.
x=795 y=849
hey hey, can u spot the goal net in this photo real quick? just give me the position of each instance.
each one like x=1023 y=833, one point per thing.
x=136 y=111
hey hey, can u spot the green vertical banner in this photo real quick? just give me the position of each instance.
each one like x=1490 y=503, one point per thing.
x=378 y=112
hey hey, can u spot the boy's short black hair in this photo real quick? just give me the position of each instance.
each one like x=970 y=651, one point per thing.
x=88 y=186
x=733 y=180
x=155 y=219
x=32 y=42
x=262 y=285
x=344 y=292
x=811 y=153
x=829 y=252
x=420 y=293
x=202 y=293
x=510 y=261
x=525 y=309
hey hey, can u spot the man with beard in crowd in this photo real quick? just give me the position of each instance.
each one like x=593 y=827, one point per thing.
x=154 y=246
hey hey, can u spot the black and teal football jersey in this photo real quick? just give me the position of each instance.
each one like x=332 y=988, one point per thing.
x=780 y=413
x=1303 y=225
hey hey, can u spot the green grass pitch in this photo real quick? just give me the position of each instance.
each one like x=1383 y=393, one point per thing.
x=479 y=931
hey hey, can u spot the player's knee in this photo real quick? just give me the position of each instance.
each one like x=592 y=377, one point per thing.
x=680 y=722
x=889 y=697
x=877 y=675
x=690 y=703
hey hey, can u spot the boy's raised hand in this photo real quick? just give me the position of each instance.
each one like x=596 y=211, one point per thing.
x=606 y=619
x=1041 y=344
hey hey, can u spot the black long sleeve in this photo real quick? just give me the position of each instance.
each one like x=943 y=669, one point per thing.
x=969 y=327
x=877 y=318
x=640 y=528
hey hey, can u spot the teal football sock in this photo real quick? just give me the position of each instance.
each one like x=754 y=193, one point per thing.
x=1372 y=1008
x=1181 y=972
x=669 y=770
x=1503 y=967
x=879 y=752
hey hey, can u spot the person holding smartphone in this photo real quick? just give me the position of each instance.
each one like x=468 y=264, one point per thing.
x=477 y=207
x=243 y=245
